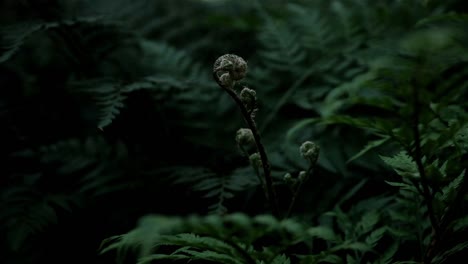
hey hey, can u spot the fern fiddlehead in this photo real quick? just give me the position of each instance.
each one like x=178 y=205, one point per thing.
x=227 y=70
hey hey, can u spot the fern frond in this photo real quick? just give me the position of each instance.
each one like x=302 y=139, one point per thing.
x=94 y=158
x=229 y=236
x=13 y=37
x=25 y=213
x=317 y=29
x=142 y=238
x=204 y=248
x=215 y=186
x=283 y=51
x=169 y=61
x=323 y=232
x=370 y=146
x=109 y=100
x=460 y=224
x=444 y=255
x=403 y=164
x=281 y=259
x=109 y=95
x=450 y=190
x=209 y=256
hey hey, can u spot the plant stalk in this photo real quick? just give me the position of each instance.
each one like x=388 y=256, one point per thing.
x=424 y=181
x=270 y=191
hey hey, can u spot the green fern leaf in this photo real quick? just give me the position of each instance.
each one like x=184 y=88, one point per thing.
x=318 y=32
x=403 y=164
x=282 y=49
x=205 y=248
x=14 y=36
x=371 y=145
x=281 y=259
x=387 y=256
x=460 y=224
x=72 y=156
x=109 y=95
x=450 y=190
x=153 y=257
x=349 y=245
x=443 y=256
x=215 y=187
x=324 y=233
x=231 y=235
x=375 y=236
x=169 y=61
x=368 y=221
x=27 y=213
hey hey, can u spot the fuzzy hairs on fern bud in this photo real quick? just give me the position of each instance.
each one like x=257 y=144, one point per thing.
x=249 y=99
x=232 y=64
x=256 y=160
x=302 y=177
x=226 y=80
x=244 y=137
x=310 y=151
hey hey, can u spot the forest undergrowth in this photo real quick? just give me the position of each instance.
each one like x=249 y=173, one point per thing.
x=234 y=132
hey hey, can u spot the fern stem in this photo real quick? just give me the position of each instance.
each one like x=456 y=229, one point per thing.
x=418 y=158
x=271 y=194
x=297 y=192
x=257 y=172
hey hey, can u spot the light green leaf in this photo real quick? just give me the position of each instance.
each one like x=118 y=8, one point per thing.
x=323 y=232
x=403 y=164
x=371 y=145
x=281 y=259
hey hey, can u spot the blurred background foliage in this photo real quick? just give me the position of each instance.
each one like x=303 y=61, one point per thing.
x=109 y=111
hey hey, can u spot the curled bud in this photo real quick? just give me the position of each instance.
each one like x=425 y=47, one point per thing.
x=287 y=177
x=255 y=160
x=226 y=80
x=302 y=176
x=234 y=65
x=310 y=151
x=290 y=180
x=249 y=98
x=244 y=137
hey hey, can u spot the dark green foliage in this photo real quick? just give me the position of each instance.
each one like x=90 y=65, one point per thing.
x=91 y=168
x=110 y=117
x=218 y=188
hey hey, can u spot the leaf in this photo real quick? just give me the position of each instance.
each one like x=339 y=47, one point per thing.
x=371 y=145
x=450 y=190
x=368 y=221
x=215 y=187
x=282 y=50
x=357 y=246
x=442 y=257
x=14 y=36
x=375 y=236
x=403 y=165
x=347 y=120
x=323 y=232
x=402 y=185
x=387 y=256
x=350 y=260
x=281 y=259
x=330 y=258
x=460 y=224
x=152 y=257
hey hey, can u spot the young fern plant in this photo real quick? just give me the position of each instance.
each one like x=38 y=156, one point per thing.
x=227 y=70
